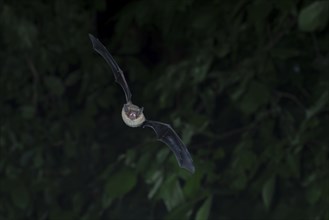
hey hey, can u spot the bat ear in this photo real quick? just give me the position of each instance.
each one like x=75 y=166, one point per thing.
x=125 y=108
x=140 y=111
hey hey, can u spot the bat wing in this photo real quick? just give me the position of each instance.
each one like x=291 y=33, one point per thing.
x=166 y=134
x=118 y=74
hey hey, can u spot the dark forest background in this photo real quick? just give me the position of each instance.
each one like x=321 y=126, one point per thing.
x=245 y=84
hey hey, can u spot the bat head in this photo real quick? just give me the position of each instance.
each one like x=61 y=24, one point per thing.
x=132 y=115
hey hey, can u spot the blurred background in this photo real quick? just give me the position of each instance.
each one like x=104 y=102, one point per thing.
x=245 y=84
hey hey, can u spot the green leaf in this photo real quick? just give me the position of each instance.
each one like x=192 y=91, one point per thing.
x=258 y=12
x=240 y=181
x=285 y=5
x=28 y=111
x=181 y=212
x=192 y=184
x=27 y=32
x=203 y=212
x=187 y=134
x=314 y=17
x=219 y=154
x=20 y=195
x=268 y=192
x=106 y=201
x=73 y=78
x=293 y=163
x=246 y=160
x=162 y=155
x=199 y=71
x=55 y=85
x=144 y=161
x=38 y=160
x=155 y=187
x=257 y=95
x=314 y=194
x=90 y=106
x=100 y=5
x=171 y=193
x=318 y=105
x=120 y=183
x=57 y=213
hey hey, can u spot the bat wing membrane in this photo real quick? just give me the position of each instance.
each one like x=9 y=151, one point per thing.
x=166 y=134
x=118 y=74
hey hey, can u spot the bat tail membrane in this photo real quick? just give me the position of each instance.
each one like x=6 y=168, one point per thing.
x=118 y=74
x=167 y=135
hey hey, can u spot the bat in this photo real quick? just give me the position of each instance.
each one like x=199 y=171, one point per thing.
x=133 y=115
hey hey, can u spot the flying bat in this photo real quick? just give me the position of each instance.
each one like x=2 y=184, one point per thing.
x=133 y=115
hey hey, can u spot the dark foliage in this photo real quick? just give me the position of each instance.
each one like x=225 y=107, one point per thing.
x=245 y=83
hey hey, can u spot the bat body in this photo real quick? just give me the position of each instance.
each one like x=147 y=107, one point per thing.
x=133 y=115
